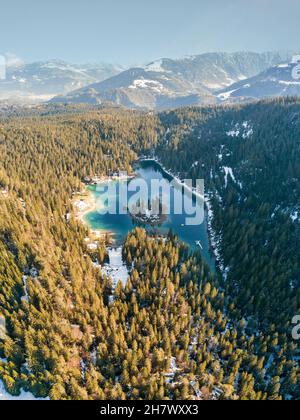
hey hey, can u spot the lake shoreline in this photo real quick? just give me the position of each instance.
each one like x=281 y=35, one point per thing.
x=84 y=205
x=85 y=202
x=203 y=237
x=213 y=242
x=173 y=176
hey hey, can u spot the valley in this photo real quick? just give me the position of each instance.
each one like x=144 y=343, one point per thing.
x=178 y=325
x=149 y=203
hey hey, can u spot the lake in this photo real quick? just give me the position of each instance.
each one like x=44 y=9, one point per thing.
x=121 y=224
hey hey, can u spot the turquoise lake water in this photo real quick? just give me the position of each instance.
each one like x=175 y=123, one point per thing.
x=121 y=224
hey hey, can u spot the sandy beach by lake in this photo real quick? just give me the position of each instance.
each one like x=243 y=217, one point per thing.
x=84 y=203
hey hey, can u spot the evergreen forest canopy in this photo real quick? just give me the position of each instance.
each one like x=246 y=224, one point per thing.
x=175 y=331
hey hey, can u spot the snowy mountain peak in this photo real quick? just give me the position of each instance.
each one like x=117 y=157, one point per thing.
x=168 y=83
x=279 y=80
x=161 y=84
x=156 y=66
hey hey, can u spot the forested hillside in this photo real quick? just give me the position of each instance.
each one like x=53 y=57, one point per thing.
x=49 y=289
x=175 y=331
x=249 y=159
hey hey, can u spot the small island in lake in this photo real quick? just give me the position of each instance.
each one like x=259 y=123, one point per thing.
x=153 y=214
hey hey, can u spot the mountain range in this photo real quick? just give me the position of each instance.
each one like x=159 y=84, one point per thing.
x=40 y=81
x=163 y=84
x=168 y=83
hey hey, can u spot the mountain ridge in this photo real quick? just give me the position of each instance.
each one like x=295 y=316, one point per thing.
x=42 y=80
x=168 y=83
x=279 y=80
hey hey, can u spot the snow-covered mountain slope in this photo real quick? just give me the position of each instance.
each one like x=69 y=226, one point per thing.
x=144 y=88
x=168 y=83
x=280 y=80
x=217 y=70
x=43 y=80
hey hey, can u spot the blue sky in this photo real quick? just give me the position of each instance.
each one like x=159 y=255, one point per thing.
x=137 y=31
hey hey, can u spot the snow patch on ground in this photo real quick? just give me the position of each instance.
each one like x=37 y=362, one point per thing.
x=220 y=155
x=173 y=370
x=233 y=133
x=33 y=272
x=148 y=84
x=2 y=328
x=245 y=130
x=295 y=216
x=5 y=396
x=25 y=297
x=228 y=172
x=289 y=83
x=116 y=269
x=226 y=95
